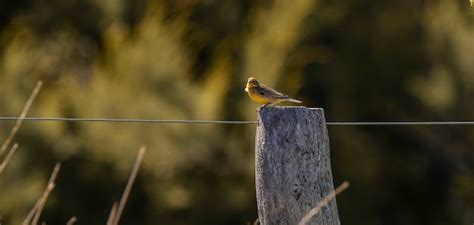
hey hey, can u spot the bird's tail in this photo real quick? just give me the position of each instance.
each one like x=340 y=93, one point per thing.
x=293 y=100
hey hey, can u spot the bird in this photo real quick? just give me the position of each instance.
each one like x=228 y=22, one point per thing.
x=267 y=96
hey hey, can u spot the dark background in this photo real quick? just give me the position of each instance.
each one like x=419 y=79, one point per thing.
x=360 y=60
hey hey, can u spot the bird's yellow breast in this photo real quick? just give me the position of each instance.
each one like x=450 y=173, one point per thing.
x=257 y=97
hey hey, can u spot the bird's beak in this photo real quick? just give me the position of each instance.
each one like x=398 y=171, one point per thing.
x=246 y=89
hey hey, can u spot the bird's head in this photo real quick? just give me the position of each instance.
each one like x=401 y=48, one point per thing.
x=252 y=82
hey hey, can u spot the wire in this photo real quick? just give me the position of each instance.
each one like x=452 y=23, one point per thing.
x=400 y=123
x=115 y=120
x=331 y=123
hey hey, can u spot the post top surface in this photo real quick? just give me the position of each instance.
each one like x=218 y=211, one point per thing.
x=289 y=115
x=289 y=108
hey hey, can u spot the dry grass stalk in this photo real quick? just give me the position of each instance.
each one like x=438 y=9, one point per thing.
x=112 y=214
x=15 y=128
x=71 y=221
x=8 y=157
x=256 y=222
x=115 y=214
x=18 y=123
x=35 y=213
x=314 y=211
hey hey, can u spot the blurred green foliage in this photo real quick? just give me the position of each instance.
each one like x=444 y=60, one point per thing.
x=359 y=60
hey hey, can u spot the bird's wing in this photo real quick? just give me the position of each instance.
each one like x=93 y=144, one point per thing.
x=270 y=92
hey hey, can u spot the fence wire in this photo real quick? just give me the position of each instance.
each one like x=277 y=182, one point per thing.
x=158 y=121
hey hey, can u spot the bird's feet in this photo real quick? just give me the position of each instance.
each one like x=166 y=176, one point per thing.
x=261 y=107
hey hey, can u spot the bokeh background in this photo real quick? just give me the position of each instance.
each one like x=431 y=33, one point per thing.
x=360 y=60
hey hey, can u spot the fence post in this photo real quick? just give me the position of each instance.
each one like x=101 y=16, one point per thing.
x=293 y=168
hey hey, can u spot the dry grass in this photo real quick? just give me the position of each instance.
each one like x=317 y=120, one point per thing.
x=112 y=214
x=16 y=127
x=7 y=158
x=35 y=213
x=71 y=221
x=117 y=209
x=18 y=123
x=314 y=211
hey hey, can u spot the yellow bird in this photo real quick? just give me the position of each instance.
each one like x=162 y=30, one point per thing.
x=260 y=93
